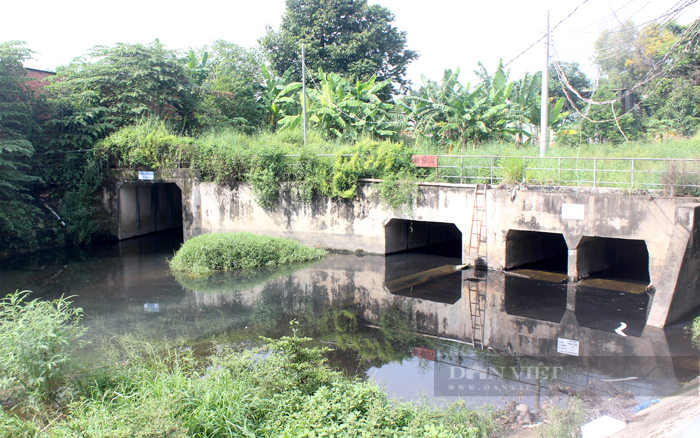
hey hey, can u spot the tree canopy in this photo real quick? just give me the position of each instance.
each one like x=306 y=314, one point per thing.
x=346 y=37
x=113 y=86
x=16 y=124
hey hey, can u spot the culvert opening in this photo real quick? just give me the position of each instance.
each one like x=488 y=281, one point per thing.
x=146 y=208
x=536 y=250
x=614 y=259
x=439 y=238
x=419 y=259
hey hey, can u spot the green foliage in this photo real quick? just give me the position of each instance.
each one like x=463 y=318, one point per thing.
x=283 y=389
x=210 y=253
x=230 y=92
x=607 y=130
x=626 y=54
x=114 y=86
x=75 y=206
x=399 y=191
x=148 y=144
x=16 y=149
x=347 y=37
x=457 y=113
x=37 y=339
x=696 y=331
x=342 y=110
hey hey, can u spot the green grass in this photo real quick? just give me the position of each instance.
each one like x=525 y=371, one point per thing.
x=209 y=253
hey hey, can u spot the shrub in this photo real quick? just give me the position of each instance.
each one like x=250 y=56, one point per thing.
x=37 y=339
x=203 y=255
x=696 y=331
x=149 y=144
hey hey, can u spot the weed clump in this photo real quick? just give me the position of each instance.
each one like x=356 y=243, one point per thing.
x=209 y=253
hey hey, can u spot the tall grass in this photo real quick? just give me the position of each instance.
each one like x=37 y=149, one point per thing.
x=209 y=253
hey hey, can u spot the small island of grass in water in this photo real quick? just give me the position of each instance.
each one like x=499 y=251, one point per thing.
x=209 y=253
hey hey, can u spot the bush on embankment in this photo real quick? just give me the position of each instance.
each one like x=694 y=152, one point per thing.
x=209 y=253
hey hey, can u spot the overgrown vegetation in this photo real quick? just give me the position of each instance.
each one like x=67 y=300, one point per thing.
x=282 y=389
x=208 y=253
x=37 y=339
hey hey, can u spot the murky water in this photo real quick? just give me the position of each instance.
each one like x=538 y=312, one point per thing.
x=483 y=336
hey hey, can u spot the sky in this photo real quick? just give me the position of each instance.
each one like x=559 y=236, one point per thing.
x=446 y=33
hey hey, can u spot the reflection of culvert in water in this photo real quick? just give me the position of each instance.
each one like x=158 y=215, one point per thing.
x=422 y=260
x=539 y=300
x=606 y=310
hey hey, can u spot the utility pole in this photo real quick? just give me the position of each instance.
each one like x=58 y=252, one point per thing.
x=303 y=90
x=544 y=107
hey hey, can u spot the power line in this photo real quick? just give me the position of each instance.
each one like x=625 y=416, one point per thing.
x=544 y=36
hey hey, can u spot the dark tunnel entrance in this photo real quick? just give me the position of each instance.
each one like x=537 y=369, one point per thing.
x=615 y=259
x=145 y=208
x=536 y=250
x=419 y=260
x=402 y=235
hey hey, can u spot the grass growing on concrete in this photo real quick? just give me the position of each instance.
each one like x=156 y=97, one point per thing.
x=209 y=253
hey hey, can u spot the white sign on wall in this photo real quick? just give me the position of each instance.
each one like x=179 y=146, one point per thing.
x=146 y=176
x=151 y=307
x=567 y=346
x=572 y=211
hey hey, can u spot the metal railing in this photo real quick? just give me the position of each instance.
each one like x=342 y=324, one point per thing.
x=675 y=175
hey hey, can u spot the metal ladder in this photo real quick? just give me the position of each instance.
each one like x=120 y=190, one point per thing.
x=477 y=315
x=477 y=220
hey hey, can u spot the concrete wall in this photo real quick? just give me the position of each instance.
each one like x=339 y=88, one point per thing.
x=665 y=225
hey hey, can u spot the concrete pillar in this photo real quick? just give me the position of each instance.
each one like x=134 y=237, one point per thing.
x=572 y=266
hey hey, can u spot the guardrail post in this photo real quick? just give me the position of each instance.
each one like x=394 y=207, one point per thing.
x=632 y=175
x=461 y=169
x=491 y=177
x=559 y=170
x=594 y=169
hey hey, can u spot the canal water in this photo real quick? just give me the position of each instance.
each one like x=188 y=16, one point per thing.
x=486 y=337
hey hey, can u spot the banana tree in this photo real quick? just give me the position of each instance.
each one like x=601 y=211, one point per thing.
x=341 y=110
x=278 y=95
x=526 y=97
x=455 y=112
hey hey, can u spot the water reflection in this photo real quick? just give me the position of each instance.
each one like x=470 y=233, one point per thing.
x=485 y=331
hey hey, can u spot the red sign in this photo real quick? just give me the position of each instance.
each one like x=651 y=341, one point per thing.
x=424 y=160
